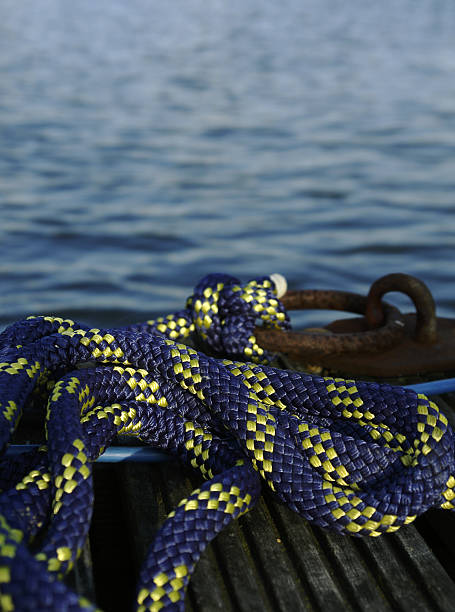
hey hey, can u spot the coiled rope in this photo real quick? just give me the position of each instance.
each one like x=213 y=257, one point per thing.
x=361 y=458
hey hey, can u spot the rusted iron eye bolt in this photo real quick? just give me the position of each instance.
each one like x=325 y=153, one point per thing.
x=426 y=324
x=299 y=344
x=382 y=343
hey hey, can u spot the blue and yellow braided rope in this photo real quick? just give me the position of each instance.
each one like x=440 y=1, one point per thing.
x=360 y=458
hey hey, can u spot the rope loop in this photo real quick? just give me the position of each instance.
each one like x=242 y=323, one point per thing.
x=222 y=313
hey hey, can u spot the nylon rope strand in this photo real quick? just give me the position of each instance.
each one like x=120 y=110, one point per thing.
x=360 y=458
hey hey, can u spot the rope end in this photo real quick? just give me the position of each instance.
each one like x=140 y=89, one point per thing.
x=281 y=284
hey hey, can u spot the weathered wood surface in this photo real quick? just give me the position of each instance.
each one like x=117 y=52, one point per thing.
x=270 y=559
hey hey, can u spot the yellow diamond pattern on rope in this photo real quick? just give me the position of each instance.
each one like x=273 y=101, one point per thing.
x=173 y=326
x=345 y=396
x=57 y=391
x=255 y=380
x=167 y=586
x=9 y=410
x=431 y=426
x=16 y=535
x=64 y=323
x=92 y=339
x=261 y=433
x=187 y=369
x=145 y=389
x=9 y=542
x=126 y=418
x=356 y=516
x=200 y=455
x=449 y=494
x=254 y=351
x=205 y=308
x=86 y=400
x=216 y=498
x=123 y=418
x=318 y=444
x=33 y=369
x=8 y=546
x=264 y=307
x=72 y=385
x=74 y=463
x=62 y=561
x=13 y=367
x=35 y=477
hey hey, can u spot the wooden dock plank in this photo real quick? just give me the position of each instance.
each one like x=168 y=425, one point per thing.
x=278 y=574
x=394 y=578
x=300 y=543
x=359 y=583
x=428 y=572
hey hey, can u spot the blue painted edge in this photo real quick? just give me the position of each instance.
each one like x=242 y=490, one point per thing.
x=434 y=387
x=113 y=454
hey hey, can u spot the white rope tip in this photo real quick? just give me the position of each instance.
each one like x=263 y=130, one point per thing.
x=281 y=284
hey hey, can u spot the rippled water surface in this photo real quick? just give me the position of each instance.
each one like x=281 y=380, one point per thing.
x=144 y=144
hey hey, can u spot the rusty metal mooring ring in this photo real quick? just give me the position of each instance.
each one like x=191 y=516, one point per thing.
x=426 y=323
x=389 y=334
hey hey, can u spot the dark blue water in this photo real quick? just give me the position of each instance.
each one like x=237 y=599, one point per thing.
x=144 y=144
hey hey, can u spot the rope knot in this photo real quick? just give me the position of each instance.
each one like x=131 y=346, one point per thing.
x=224 y=313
